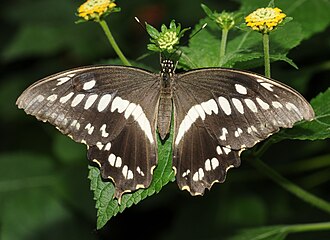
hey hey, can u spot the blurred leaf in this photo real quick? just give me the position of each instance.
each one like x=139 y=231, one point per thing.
x=9 y=90
x=38 y=215
x=67 y=150
x=264 y=233
x=104 y=191
x=247 y=208
x=49 y=30
x=319 y=128
x=24 y=170
x=279 y=232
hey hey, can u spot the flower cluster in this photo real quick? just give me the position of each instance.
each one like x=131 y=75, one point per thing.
x=95 y=9
x=225 y=20
x=265 y=19
x=166 y=39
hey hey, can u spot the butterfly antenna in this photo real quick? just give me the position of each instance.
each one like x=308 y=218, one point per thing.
x=178 y=48
x=139 y=22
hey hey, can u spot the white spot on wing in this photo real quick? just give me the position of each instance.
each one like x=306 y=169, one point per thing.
x=66 y=97
x=129 y=174
x=198 y=175
x=238 y=132
x=224 y=104
x=120 y=104
x=291 y=106
x=103 y=130
x=77 y=99
x=107 y=146
x=268 y=86
x=89 y=85
x=195 y=176
x=227 y=149
x=138 y=169
x=99 y=145
x=238 y=105
x=186 y=173
x=125 y=171
x=73 y=123
x=208 y=165
x=214 y=163
x=210 y=106
x=276 y=104
x=201 y=173
x=251 y=105
x=112 y=159
x=40 y=98
x=89 y=128
x=90 y=100
x=224 y=133
x=52 y=97
x=240 y=89
x=62 y=80
x=262 y=104
x=118 y=162
x=104 y=102
x=254 y=128
x=219 y=151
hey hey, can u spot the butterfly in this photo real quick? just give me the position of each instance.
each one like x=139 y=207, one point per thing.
x=117 y=110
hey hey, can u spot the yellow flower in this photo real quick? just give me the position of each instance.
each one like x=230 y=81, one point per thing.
x=94 y=9
x=265 y=19
x=167 y=40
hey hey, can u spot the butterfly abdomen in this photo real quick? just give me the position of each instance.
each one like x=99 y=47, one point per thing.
x=164 y=111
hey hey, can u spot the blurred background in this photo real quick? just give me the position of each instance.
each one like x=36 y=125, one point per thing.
x=44 y=190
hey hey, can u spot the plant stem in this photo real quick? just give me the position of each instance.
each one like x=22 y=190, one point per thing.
x=113 y=43
x=223 y=45
x=289 y=186
x=265 y=40
x=309 y=227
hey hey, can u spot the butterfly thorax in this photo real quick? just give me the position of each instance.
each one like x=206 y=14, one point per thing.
x=165 y=100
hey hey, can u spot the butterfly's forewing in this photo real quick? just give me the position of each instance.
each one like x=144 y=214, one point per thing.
x=109 y=108
x=220 y=112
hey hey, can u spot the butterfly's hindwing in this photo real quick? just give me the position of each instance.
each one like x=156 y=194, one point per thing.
x=109 y=108
x=219 y=113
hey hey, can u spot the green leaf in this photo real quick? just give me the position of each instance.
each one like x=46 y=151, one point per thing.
x=207 y=11
x=153 y=32
x=107 y=207
x=319 y=128
x=203 y=48
x=173 y=26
